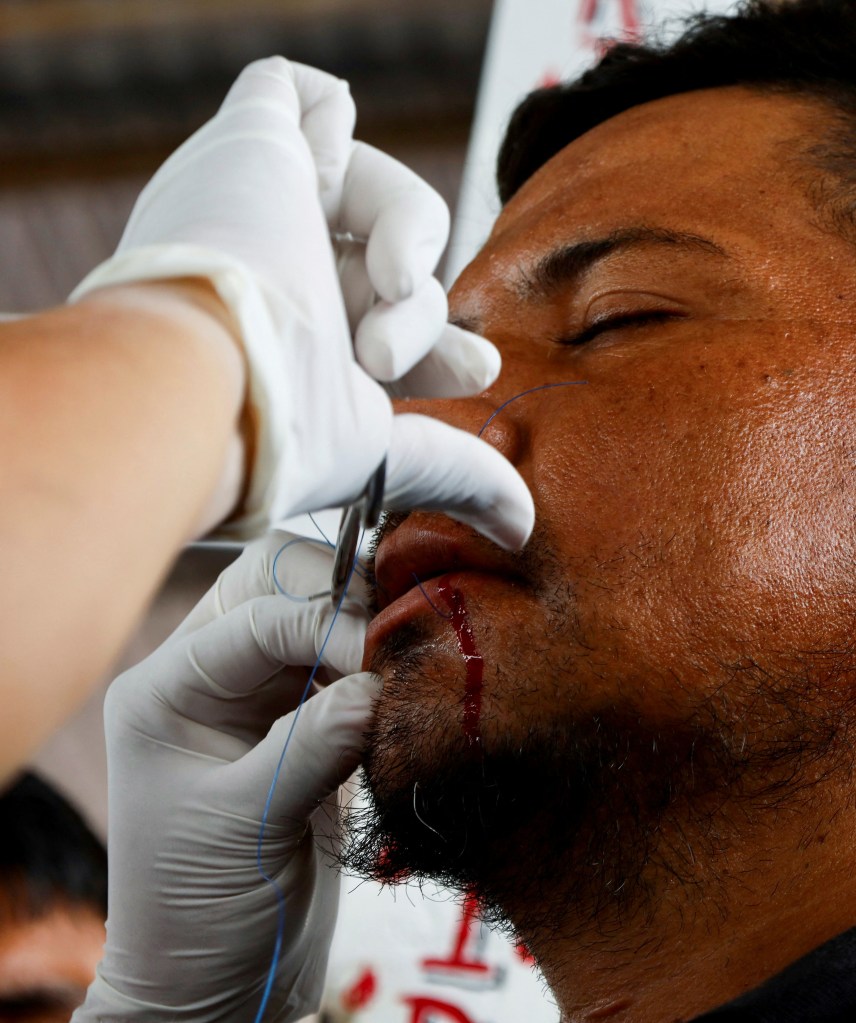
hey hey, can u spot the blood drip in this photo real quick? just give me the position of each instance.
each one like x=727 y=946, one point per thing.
x=473 y=660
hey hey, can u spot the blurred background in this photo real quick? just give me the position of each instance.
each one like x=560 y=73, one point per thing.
x=94 y=94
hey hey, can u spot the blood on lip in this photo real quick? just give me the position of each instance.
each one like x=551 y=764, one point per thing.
x=454 y=600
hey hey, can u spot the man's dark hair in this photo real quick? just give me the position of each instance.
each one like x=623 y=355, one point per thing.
x=48 y=856
x=801 y=47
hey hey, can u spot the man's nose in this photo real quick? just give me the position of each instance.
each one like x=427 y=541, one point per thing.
x=481 y=416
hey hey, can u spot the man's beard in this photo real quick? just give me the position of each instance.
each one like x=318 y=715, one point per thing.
x=578 y=817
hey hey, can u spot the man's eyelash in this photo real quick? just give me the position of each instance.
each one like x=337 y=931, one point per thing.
x=615 y=323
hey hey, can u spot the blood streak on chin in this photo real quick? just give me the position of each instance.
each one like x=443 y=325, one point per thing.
x=454 y=600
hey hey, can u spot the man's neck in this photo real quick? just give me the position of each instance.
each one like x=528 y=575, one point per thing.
x=766 y=902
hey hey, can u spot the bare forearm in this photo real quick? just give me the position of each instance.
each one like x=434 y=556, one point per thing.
x=118 y=441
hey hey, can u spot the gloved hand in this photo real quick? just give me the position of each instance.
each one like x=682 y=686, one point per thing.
x=194 y=735
x=249 y=202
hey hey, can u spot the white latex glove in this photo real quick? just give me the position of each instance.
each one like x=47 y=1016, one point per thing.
x=249 y=202
x=194 y=735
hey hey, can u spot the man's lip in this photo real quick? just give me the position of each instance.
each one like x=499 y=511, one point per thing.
x=430 y=598
x=426 y=547
x=423 y=551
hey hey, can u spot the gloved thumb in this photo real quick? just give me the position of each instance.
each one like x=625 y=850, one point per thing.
x=437 y=467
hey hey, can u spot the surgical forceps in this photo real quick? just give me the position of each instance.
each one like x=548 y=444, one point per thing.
x=362 y=514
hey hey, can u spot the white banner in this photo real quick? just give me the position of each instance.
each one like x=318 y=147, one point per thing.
x=534 y=43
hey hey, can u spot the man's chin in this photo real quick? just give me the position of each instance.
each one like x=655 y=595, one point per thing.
x=455 y=825
x=569 y=806
x=425 y=780
x=498 y=820
x=570 y=825
x=499 y=817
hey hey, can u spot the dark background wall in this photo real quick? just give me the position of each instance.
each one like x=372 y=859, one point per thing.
x=95 y=93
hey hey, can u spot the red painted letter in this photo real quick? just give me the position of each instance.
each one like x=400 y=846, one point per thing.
x=429 y=1010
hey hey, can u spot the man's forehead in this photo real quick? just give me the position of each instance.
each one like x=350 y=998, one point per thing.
x=727 y=167
x=692 y=148
x=718 y=164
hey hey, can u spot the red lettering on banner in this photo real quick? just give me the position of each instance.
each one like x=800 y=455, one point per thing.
x=360 y=993
x=548 y=80
x=459 y=967
x=523 y=954
x=628 y=12
x=430 y=1010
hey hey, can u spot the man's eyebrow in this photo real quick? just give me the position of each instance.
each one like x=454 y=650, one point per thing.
x=466 y=323
x=565 y=266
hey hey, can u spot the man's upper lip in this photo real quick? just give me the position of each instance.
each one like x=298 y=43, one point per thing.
x=426 y=547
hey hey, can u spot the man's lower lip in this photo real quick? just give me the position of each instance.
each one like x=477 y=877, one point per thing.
x=428 y=600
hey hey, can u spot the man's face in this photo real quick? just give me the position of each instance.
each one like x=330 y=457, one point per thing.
x=47 y=962
x=690 y=579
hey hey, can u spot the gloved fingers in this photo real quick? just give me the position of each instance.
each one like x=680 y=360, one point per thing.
x=256 y=157
x=392 y=337
x=261 y=207
x=248 y=576
x=216 y=676
x=269 y=80
x=277 y=563
x=262 y=105
x=233 y=655
x=362 y=190
x=357 y=290
x=327 y=123
x=459 y=364
x=217 y=691
x=411 y=344
x=340 y=440
x=324 y=749
x=405 y=222
x=227 y=728
x=437 y=467
x=319 y=103
x=302 y=569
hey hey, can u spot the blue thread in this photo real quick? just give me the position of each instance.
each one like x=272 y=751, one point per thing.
x=280 y=898
x=359 y=568
x=320 y=530
x=430 y=601
x=490 y=419
x=540 y=387
x=279 y=553
x=313 y=596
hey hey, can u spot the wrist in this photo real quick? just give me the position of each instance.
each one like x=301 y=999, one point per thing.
x=195 y=314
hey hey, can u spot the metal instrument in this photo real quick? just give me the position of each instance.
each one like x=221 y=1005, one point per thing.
x=362 y=514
